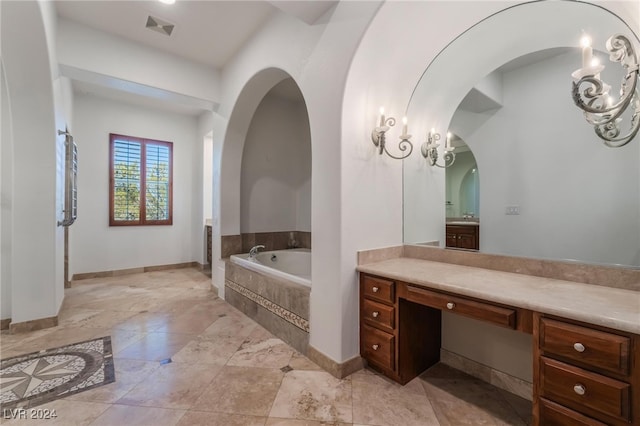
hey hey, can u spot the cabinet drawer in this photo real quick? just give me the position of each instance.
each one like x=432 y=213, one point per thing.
x=379 y=315
x=498 y=315
x=591 y=347
x=576 y=388
x=378 y=289
x=378 y=347
x=552 y=414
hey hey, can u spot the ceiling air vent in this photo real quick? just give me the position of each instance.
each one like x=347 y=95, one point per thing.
x=163 y=27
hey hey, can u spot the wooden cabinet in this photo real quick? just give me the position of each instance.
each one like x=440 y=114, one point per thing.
x=584 y=375
x=400 y=353
x=463 y=236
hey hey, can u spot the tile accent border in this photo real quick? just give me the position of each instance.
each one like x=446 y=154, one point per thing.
x=119 y=272
x=339 y=370
x=497 y=378
x=278 y=310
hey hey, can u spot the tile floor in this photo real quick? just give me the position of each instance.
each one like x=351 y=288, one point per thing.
x=227 y=370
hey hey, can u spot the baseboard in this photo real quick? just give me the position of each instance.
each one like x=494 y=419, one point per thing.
x=119 y=272
x=4 y=324
x=336 y=369
x=33 y=325
x=497 y=378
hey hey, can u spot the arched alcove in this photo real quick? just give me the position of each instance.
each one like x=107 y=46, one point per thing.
x=276 y=165
x=255 y=92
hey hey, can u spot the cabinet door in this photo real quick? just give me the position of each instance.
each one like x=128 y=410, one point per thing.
x=452 y=239
x=467 y=241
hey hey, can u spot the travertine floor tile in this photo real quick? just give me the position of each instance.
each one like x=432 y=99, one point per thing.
x=172 y=385
x=227 y=370
x=120 y=415
x=208 y=418
x=241 y=390
x=313 y=395
x=379 y=401
x=209 y=349
x=266 y=353
x=156 y=346
x=129 y=372
x=464 y=400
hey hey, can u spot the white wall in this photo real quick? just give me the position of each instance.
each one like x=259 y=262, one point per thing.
x=95 y=246
x=276 y=168
x=6 y=164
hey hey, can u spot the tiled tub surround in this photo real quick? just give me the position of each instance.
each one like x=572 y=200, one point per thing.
x=602 y=300
x=280 y=306
x=236 y=244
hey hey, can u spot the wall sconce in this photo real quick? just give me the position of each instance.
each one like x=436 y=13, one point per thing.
x=379 y=139
x=429 y=150
x=598 y=106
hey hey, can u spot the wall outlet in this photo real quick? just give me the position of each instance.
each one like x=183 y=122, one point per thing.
x=512 y=210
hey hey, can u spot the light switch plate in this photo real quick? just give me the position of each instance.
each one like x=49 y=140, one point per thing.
x=512 y=210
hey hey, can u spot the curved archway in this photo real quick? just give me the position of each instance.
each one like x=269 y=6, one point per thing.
x=239 y=121
x=29 y=69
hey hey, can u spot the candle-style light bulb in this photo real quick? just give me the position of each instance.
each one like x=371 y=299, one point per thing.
x=587 y=51
x=382 y=119
x=404 y=126
x=447 y=144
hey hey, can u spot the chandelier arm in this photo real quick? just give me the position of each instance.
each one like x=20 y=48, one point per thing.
x=402 y=146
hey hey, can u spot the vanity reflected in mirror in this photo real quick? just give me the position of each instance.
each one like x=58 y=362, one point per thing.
x=462 y=188
x=550 y=188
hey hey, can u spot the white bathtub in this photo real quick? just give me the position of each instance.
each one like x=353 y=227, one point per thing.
x=293 y=265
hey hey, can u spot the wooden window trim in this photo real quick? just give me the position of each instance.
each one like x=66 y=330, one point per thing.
x=143 y=182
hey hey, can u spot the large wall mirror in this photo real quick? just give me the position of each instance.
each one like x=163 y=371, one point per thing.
x=549 y=187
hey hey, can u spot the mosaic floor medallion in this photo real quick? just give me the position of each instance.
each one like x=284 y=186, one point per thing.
x=33 y=379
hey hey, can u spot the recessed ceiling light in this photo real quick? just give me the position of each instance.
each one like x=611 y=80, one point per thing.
x=167 y=1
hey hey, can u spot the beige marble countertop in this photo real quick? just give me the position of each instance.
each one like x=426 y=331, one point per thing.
x=594 y=304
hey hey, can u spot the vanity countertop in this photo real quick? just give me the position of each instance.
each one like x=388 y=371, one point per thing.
x=605 y=306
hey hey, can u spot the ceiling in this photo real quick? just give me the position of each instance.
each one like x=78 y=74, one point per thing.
x=209 y=32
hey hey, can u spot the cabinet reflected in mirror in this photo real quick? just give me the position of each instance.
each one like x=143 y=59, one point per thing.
x=462 y=191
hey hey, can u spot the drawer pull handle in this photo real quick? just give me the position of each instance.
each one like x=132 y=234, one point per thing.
x=375 y=314
x=579 y=347
x=579 y=389
x=375 y=347
x=375 y=289
x=451 y=305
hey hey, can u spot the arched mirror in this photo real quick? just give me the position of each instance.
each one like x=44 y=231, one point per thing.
x=550 y=188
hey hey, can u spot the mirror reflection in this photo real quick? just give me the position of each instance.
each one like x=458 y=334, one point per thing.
x=550 y=189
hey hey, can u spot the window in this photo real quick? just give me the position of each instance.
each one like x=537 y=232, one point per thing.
x=140 y=181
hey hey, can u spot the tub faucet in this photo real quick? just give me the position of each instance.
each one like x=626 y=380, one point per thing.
x=254 y=251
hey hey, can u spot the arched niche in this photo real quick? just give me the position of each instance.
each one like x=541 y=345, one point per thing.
x=240 y=118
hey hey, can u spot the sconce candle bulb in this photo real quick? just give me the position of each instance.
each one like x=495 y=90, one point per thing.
x=378 y=136
x=429 y=150
x=591 y=94
x=587 y=51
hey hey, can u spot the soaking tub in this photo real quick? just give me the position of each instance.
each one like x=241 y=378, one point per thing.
x=291 y=265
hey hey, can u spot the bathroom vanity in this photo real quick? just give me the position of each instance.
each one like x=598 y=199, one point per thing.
x=463 y=235
x=586 y=338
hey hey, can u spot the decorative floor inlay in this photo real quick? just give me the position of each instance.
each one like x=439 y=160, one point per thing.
x=278 y=310
x=39 y=377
